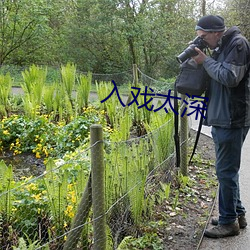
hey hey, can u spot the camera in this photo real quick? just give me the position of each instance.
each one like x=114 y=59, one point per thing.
x=190 y=51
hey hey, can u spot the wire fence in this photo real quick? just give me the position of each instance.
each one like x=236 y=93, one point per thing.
x=41 y=211
x=121 y=78
x=55 y=210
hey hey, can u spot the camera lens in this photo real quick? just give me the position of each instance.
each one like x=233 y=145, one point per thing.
x=187 y=53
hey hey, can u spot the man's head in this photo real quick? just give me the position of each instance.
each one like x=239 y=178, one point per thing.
x=211 y=28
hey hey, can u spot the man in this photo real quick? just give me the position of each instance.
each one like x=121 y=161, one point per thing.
x=228 y=113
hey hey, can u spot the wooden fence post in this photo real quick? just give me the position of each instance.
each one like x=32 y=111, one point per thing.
x=80 y=218
x=135 y=82
x=98 y=195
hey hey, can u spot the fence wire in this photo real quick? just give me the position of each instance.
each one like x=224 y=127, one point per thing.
x=44 y=210
x=41 y=210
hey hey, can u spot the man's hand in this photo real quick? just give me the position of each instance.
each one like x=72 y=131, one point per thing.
x=200 y=58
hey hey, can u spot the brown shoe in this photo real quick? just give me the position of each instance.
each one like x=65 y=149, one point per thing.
x=221 y=231
x=241 y=219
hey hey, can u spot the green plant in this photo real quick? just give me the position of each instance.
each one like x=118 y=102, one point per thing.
x=161 y=133
x=112 y=106
x=29 y=245
x=164 y=191
x=126 y=172
x=83 y=91
x=176 y=199
x=184 y=181
x=141 y=115
x=6 y=184
x=56 y=187
x=48 y=98
x=43 y=137
x=5 y=90
x=34 y=81
x=30 y=207
x=68 y=74
x=147 y=241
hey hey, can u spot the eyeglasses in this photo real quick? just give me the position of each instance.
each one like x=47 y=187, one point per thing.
x=203 y=36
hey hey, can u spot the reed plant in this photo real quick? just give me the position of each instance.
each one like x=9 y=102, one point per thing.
x=142 y=114
x=126 y=172
x=34 y=80
x=112 y=106
x=48 y=98
x=56 y=184
x=68 y=75
x=6 y=184
x=5 y=90
x=62 y=106
x=160 y=130
x=83 y=90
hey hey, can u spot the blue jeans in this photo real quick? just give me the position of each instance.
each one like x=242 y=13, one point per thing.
x=228 y=145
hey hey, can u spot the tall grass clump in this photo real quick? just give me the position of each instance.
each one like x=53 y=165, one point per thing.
x=112 y=106
x=68 y=75
x=83 y=91
x=161 y=130
x=34 y=80
x=5 y=90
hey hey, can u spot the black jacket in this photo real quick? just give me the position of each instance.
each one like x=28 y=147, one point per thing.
x=229 y=88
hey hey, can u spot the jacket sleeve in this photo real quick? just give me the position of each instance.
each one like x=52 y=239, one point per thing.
x=234 y=66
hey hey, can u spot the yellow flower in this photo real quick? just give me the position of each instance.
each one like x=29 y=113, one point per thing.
x=37 y=196
x=6 y=132
x=38 y=156
x=31 y=187
x=73 y=199
x=14 y=209
x=69 y=211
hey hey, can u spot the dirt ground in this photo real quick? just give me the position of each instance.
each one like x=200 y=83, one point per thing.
x=187 y=223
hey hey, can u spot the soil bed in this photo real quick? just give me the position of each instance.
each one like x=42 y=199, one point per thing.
x=186 y=223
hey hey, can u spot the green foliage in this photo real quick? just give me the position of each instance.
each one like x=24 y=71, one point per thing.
x=6 y=184
x=57 y=188
x=141 y=115
x=43 y=137
x=112 y=106
x=127 y=160
x=125 y=172
x=29 y=245
x=164 y=192
x=48 y=98
x=68 y=74
x=34 y=81
x=161 y=126
x=5 y=90
x=147 y=241
x=83 y=90
x=30 y=206
x=103 y=36
x=23 y=28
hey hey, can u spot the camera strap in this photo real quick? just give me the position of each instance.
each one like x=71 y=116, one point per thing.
x=176 y=126
x=199 y=130
x=176 y=134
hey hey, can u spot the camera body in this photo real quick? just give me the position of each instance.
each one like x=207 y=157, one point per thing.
x=190 y=51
